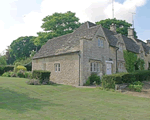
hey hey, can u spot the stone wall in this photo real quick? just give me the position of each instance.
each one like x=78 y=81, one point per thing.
x=69 y=68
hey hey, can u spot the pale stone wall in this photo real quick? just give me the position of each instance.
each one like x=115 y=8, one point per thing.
x=90 y=51
x=69 y=68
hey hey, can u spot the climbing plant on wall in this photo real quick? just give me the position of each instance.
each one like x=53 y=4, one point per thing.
x=133 y=63
x=130 y=60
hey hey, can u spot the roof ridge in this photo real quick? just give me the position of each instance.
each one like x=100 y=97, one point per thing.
x=60 y=36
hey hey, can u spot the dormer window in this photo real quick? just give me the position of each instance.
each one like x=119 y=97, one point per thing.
x=100 y=42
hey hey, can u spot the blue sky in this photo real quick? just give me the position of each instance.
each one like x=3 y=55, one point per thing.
x=24 y=17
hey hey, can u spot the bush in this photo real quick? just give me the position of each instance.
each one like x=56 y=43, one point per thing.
x=6 y=74
x=21 y=68
x=108 y=83
x=21 y=74
x=33 y=82
x=94 y=78
x=15 y=67
x=28 y=75
x=13 y=74
x=136 y=86
x=41 y=75
x=6 y=69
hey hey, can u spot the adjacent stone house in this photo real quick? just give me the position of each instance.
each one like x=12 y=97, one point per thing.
x=91 y=48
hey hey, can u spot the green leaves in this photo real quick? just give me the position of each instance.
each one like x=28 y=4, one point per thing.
x=121 y=25
x=56 y=25
x=130 y=60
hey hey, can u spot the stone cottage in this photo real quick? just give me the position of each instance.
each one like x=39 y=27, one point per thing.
x=91 y=48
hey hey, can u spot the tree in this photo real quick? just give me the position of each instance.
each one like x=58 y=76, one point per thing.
x=121 y=25
x=21 y=48
x=2 y=61
x=56 y=25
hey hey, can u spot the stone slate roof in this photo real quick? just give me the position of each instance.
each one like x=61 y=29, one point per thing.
x=67 y=43
x=131 y=44
x=146 y=48
x=70 y=42
x=110 y=36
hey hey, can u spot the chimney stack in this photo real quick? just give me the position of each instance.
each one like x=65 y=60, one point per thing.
x=131 y=33
x=148 y=42
x=113 y=27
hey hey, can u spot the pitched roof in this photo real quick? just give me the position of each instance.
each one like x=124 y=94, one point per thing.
x=146 y=48
x=131 y=44
x=110 y=36
x=67 y=43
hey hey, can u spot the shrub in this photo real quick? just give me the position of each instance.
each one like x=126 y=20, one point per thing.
x=93 y=78
x=41 y=75
x=108 y=84
x=28 y=75
x=13 y=74
x=6 y=74
x=136 y=86
x=33 y=82
x=21 y=68
x=21 y=74
x=6 y=69
x=15 y=67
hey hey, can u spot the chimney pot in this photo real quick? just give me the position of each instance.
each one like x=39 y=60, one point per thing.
x=113 y=27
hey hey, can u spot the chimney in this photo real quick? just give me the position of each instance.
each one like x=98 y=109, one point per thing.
x=131 y=33
x=148 y=42
x=113 y=27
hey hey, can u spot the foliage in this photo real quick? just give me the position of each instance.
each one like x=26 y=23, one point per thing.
x=41 y=75
x=6 y=74
x=56 y=25
x=6 y=69
x=21 y=48
x=21 y=68
x=130 y=60
x=120 y=78
x=28 y=74
x=21 y=73
x=140 y=64
x=3 y=62
x=108 y=84
x=136 y=86
x=15 y=67
x=33 y=82
x=94 y=78
x=121 y=25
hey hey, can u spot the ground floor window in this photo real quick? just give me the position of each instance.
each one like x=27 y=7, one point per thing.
x=95 y=67
x=57 y=67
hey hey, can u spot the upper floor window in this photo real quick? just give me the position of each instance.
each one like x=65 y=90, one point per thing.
x=57 y=67
x=100 y=42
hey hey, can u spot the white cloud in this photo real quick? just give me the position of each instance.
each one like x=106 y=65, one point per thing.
x=86 y=10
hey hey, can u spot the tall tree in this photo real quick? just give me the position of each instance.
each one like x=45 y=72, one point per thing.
x=56 y=25
x=2 y=60
x=121 y=25
x=21 y=48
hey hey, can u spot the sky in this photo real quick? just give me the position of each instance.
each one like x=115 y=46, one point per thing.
x=24 y=17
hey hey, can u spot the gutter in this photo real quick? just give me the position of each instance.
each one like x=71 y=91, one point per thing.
x=79 y=66
x=116 y=59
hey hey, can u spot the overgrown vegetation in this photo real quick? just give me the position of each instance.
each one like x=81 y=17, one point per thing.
x=136 y=86
x=133 y=63
x=93 y=79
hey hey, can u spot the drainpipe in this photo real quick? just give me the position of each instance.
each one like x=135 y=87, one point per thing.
x=116 y=59
x=79 y=67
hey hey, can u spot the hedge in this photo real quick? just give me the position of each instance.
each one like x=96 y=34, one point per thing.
x=41 y=75
x=6 y=69
x=120 y=78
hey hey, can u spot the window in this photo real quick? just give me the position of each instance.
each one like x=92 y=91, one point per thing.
x=57 y=67
x=100 y=42
x=95 y=67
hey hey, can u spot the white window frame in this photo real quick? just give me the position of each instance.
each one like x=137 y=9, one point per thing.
x=95 y=67
x=100 y=43
x=57 y=67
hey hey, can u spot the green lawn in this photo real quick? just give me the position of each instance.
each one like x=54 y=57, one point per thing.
x=19 y=101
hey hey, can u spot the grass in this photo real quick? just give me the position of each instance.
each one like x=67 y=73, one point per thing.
x=61 y=102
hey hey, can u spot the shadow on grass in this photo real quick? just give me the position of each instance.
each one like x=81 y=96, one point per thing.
x=11 y=100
